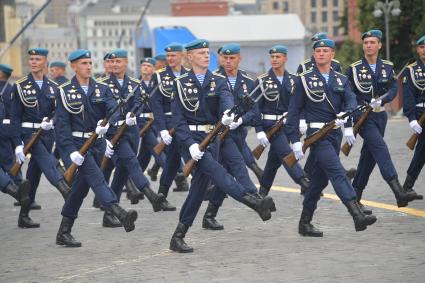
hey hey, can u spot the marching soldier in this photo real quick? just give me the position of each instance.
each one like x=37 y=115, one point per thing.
x=370 y=78
x=271 y=108
x=57 y=72
x=83 y=105
x=414 y=108
x=201 y=100
x=160 y=61
x=322 y=93
x=33 y=104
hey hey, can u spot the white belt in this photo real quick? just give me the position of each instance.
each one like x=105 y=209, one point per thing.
x=146 y=115
x=6 y=121
x=422 y=104
x=317 y=125
x=119 y=123
x=30 y=125
x=271 y=117
x=168 y=113
x=201 y=128
x=83 y=134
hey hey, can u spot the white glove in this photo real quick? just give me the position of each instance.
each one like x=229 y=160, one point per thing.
x=340 y=122
x=130 y=119
x=298 y=150
x=375 y=103
x=77 y=158
x=47 y=124
x=109 y=150
x=303 y=126
x=262 y=137
x=195 y=152
x=236 y=124
x=349 y=136
x=226 y=119
x=415 y=126
x=19 y=154
x=165 y=135
x=101 y=130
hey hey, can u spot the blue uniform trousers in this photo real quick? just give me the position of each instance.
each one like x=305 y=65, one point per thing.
x=418 y=159
x=327 y=167
x=245 y=150
x=88 y=176
x=149 y=141
x=4 y=179
x=7 y=158
x=173 y=164
x=374 y=151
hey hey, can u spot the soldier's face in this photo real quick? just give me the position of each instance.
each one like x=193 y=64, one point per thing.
x=231 y=62
x=159 y=64
x=371 y=46
x=119 y=65
x=56 y=72
x=199 y=57
x=174 y=59
x=323 y=55
x=420 y=49
x=37 y=63
x=82 y=67
x=147 y=69
x=107 y=65
x=221 y=60
x=278 y=60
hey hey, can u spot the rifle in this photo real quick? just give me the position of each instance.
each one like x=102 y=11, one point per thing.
x=146 y=127
x=290 y=159
x=70 y=172
x=161 y=145
x=270 y=133
x=411 y=143
x=34 y=139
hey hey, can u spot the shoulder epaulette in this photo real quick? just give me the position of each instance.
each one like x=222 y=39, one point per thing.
x=219 y=75
x=246 y=76
x=263 y=75
x=387 y=62
x=65 y=84
x=306 y=72
x=306 y=61
x=181 y=76
x=102 y=79
x=355 y=63
x=161 y=70
x=216 y=71
x=412 y=64
x=336 y=61
x=341 y=74
x=102 y=83
x=55 y=83
x=21 y=80
x=134 y=80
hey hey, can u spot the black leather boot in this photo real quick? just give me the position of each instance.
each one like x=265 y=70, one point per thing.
x=305 y=228
x=177 y=242
x=361 y=220
x=133 y=194
x=350 y=173
x=257 y=170
x=127 y=218
x=25 y=220
x=63 y=188
x=155 y=199
x=209 y=221
x=261 y=205
x=64 y=237
x=402 y=197
x=153 y=172
x=165 y=205
x=96 y=204
x=263 y=192
x=181 y=183
x=304 y=182
x=408 y=186
x=362 y=207
x=110 y=221
x=20 y=193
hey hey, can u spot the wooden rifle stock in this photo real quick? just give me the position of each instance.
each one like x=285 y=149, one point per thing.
x=346 y=148
x=146 y=127
x=411 y=143
x=161 y=145
x=202 y=146
x=114 y=141
x=258 y=151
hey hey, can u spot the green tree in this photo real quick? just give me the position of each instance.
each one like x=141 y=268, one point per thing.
x=348 y=53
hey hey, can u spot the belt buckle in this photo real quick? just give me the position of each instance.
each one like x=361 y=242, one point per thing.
x=208 y=128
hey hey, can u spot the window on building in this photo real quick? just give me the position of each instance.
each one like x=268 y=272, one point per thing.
x=336 y=3
x=313 y=17
x=275 y=5
x=335 y=16
x=324 y=16
x=285 y=7
x=313 y=4
x=324 y=3
x=335 y=31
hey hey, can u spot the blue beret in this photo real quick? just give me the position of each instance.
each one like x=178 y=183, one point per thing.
x=174 y=47
x=161 y=57
x=38 y=51
x=107 y=56
x=79 y=54
x=149 y=60
x=319 y=36
x=118 y=53
x=231 y=48
x=197 y=44
x=324 y=43
x=219 y=50
x=7 y=69
x=372 y=33
x=278 y=49
x=421 y=40
x=59 y=64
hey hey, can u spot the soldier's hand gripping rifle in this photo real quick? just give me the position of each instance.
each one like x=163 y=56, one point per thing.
x=187 y=169
x=70 y=172
x=161 y=145
x=411 y=143
x=34 y=139
x=290 y=159
x=346 y=148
